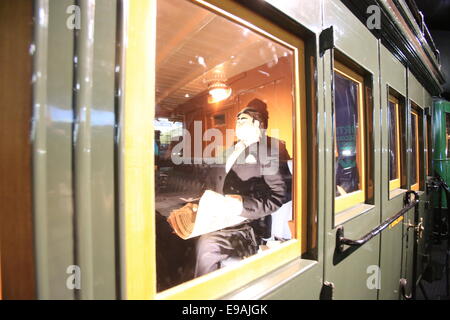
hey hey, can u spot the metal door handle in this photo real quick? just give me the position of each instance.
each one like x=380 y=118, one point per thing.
x=341 y=241
x=418 y=229
x=403 y=284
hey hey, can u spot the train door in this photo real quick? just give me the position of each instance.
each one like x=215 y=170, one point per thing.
x=211 y=59
x=423 y=226
x=414 y=219
x=352 y=193
x=393 y=174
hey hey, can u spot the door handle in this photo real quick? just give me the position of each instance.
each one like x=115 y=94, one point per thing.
x=403 y=284
x=417 y=229
x=341 y=240
x=420 y=229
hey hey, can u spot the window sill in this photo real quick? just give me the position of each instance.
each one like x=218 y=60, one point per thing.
x=353 y=212
x=224 y=281
x=396 y=192
x=265 y=285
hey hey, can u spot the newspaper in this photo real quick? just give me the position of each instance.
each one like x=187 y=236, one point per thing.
x=213 y=213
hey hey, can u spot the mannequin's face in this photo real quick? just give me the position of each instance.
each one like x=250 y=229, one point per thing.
x=247 y=129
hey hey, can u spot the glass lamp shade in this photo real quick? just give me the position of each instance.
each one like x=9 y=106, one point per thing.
x=218 y=91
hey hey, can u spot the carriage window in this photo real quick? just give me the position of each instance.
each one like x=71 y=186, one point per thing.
x=225 y=100
x=349 y=138
x=394 y=143
x=415 y=158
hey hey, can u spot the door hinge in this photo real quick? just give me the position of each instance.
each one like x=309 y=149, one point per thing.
x=326 y=40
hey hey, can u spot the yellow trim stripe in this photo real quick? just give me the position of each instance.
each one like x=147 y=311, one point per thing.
x=138 y=179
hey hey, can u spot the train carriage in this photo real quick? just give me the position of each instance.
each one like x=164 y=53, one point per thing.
x=119 y=116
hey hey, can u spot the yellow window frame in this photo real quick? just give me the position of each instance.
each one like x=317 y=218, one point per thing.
x=349 y=200
x=415 y=185
x=395 y=183
x=137 y=224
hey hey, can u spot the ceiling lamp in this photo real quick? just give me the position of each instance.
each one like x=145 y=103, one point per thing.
x=217 y=88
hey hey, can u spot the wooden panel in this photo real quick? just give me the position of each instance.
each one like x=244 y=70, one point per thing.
x=17 y=265
x=0 y=275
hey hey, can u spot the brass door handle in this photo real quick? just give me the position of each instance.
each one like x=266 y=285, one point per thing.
x=418 y=229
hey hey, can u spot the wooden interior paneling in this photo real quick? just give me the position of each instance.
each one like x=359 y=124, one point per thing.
x=17 y=266
x=191 y=47
x=272 y=84
x=0 y=275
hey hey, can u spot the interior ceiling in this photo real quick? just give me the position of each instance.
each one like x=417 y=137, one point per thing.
x=189 y=51
x=436 y=12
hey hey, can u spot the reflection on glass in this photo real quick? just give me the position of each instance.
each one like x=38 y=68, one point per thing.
x=347 y=135
x=245 y=166
x=393 y=141
x=414 y=145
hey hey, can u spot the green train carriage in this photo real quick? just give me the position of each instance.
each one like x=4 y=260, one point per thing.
x=121 y=90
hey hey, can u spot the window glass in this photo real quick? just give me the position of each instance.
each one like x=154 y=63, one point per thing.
x=347 y=122
x=349 y=160
x=393 y=141
x=395 y=171
x=224 y=110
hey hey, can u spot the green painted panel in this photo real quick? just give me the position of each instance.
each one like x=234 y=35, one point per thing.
x=440 y=162
x=307 y=12
x=306 y=286
x=73 y=162
x=102 y=156
x=390 y=262
x=408 y=251
x=350 y=273
x=52 y=149
x=94 y=149
x=415 y=90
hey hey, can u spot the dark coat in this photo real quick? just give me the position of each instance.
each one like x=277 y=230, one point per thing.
x=262 y=178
